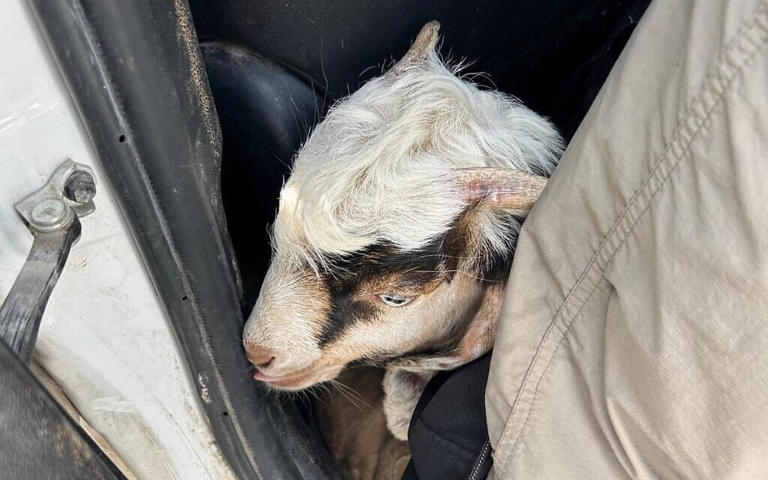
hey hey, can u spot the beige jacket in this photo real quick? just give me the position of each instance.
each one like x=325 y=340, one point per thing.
x=634 y=337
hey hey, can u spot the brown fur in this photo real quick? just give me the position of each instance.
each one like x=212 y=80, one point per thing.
x=356 y=432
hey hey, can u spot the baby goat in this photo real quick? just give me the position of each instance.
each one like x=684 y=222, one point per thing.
x=395 y=231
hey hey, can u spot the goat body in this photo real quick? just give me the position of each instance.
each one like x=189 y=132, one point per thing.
x=395 y=231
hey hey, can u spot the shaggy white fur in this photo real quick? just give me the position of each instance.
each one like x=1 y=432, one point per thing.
x=389 y=165
x=381 y=166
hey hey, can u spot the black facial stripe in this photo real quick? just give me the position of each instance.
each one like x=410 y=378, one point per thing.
x=345 y=312
x=415 y=268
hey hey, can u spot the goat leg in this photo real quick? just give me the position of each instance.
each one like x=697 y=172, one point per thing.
x=402 y=390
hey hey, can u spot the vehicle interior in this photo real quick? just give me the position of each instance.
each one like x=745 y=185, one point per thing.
x=198 y=132
x=275 y=67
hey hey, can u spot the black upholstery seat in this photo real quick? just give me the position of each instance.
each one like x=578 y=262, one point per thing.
x=265 y=112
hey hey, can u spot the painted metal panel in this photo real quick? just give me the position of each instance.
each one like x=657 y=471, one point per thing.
x=104 y=338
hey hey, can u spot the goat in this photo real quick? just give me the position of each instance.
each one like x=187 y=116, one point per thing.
x=395 y=231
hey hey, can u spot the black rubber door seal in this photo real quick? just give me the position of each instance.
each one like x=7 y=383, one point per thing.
x=134 y=71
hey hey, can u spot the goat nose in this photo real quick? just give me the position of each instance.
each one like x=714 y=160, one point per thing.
x=260 y=356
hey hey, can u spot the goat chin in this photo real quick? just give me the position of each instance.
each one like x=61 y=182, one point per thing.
x=299 y=381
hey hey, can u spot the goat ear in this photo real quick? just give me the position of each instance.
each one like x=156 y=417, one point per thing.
x=501 y=188
x=422 y=47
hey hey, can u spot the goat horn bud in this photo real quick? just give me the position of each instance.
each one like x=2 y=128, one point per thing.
x=502 y=188
x=422 y=47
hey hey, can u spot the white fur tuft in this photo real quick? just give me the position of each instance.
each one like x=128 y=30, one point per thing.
x=380 y=167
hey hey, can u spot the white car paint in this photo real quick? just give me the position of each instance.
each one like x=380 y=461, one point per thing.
x=104 y=338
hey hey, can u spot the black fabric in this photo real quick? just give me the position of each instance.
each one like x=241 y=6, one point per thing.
x=265 y=113
x=448 y=434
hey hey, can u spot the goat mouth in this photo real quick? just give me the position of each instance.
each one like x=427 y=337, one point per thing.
x=297 y=381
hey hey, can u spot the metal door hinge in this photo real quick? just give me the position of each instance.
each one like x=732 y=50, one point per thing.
x=53 y=215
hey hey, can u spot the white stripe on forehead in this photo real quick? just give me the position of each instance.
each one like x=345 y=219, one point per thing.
x=379 y=167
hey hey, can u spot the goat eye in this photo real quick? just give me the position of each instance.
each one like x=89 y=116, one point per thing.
x=395 y=300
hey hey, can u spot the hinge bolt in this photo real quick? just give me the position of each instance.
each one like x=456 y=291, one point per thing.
x=80 y=187
x=49 y=212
